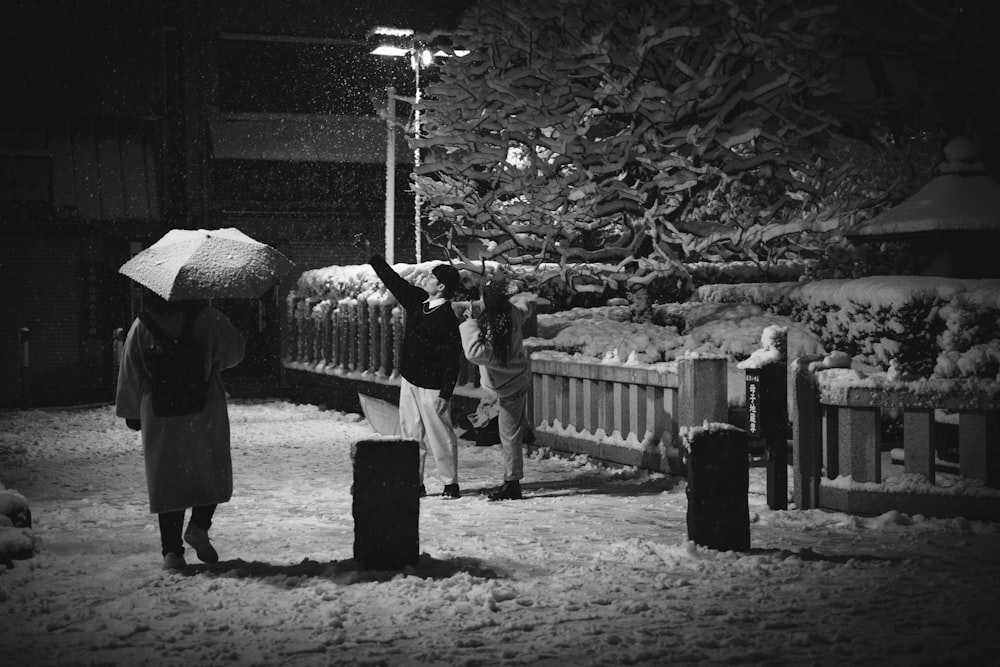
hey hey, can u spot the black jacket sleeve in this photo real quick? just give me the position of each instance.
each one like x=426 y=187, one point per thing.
x=410 y=296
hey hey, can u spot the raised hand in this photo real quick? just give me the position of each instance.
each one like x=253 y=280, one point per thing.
x=361 y=241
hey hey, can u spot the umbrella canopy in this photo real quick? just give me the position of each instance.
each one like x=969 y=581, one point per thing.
x=207 y=264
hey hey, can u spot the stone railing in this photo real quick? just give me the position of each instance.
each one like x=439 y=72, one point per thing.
x=625 y=414
x=839 y=458
x=622 y=414
x=361 y=335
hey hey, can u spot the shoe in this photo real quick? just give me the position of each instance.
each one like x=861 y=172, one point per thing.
x=509 y=491
x=198 y=539
x=451 y=491
x=174 y=561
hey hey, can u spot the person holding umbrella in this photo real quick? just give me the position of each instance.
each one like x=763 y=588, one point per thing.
x=429 y=363
x=493 y=341
x=169 y=382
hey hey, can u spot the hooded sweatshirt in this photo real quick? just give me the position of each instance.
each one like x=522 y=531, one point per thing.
x=502 y=380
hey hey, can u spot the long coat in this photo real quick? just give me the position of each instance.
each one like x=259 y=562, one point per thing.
x=187 y=458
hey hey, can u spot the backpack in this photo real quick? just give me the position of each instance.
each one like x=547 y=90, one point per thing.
x=176 y=368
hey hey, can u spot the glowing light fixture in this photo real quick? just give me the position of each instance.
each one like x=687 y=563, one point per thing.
x=398 y=43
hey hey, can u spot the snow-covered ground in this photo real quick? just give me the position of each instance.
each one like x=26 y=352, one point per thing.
x=593 y=567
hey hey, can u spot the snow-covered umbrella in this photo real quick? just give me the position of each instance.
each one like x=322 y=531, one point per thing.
x=207 y=264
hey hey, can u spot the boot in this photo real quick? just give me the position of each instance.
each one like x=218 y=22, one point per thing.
x=511 y=490
x=198 y=540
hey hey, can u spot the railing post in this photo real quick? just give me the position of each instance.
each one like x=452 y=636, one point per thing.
x=24 y=356
x=385 y=339
x=918 y=442
x=362 y=333
x=978 y=456
x=398 y=326
x=702 y=390
x=807 y=434
x=328 y=334
x=861 y=443
x=375 y=362
x=538 y=398
x=352 y=335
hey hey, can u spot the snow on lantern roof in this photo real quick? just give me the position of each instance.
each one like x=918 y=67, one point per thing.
x=961 y=199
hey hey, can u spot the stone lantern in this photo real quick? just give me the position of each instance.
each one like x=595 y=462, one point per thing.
x=952 y=223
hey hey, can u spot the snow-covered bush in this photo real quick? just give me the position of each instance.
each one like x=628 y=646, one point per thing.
x=709 y=328
x=969 y=342
x=843 y=259
x=920 y=325
x=17 y=540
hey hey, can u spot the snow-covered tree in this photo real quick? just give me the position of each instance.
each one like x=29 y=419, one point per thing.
x=638 y=135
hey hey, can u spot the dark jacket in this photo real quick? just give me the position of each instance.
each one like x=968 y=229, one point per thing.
x=432 y=348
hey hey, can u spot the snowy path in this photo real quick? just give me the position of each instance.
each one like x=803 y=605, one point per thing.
x=591 y=569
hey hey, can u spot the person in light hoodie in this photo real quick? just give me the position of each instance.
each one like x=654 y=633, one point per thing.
x=188 y=462
x=493 y=341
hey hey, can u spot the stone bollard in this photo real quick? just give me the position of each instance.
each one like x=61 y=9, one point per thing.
x=386 y=504
x=718 y=514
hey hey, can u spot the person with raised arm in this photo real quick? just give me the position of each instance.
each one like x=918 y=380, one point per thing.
x=493 y=341
x=428 y=365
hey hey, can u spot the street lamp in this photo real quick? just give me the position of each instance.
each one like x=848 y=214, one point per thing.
x=399 y=43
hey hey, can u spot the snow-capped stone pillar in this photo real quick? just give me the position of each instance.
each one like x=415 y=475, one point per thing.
x=702 y=393
x=807 y=434
x=386 y=504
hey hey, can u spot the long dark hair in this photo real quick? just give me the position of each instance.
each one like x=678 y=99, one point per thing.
x=495 y=322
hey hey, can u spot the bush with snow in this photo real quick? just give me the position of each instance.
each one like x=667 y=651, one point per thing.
x=922 y=325
x=17 y=540
x=708 y=328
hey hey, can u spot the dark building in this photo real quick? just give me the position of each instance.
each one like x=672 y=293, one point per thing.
x=120 y=120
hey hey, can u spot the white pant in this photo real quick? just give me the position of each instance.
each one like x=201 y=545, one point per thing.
x=421 y=420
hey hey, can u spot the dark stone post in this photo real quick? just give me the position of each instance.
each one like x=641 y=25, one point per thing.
x=718 y=514
x=386 y=504
x=767 y=420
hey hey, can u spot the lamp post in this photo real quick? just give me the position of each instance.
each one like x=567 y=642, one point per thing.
x=400 y=42
x=390 y=176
